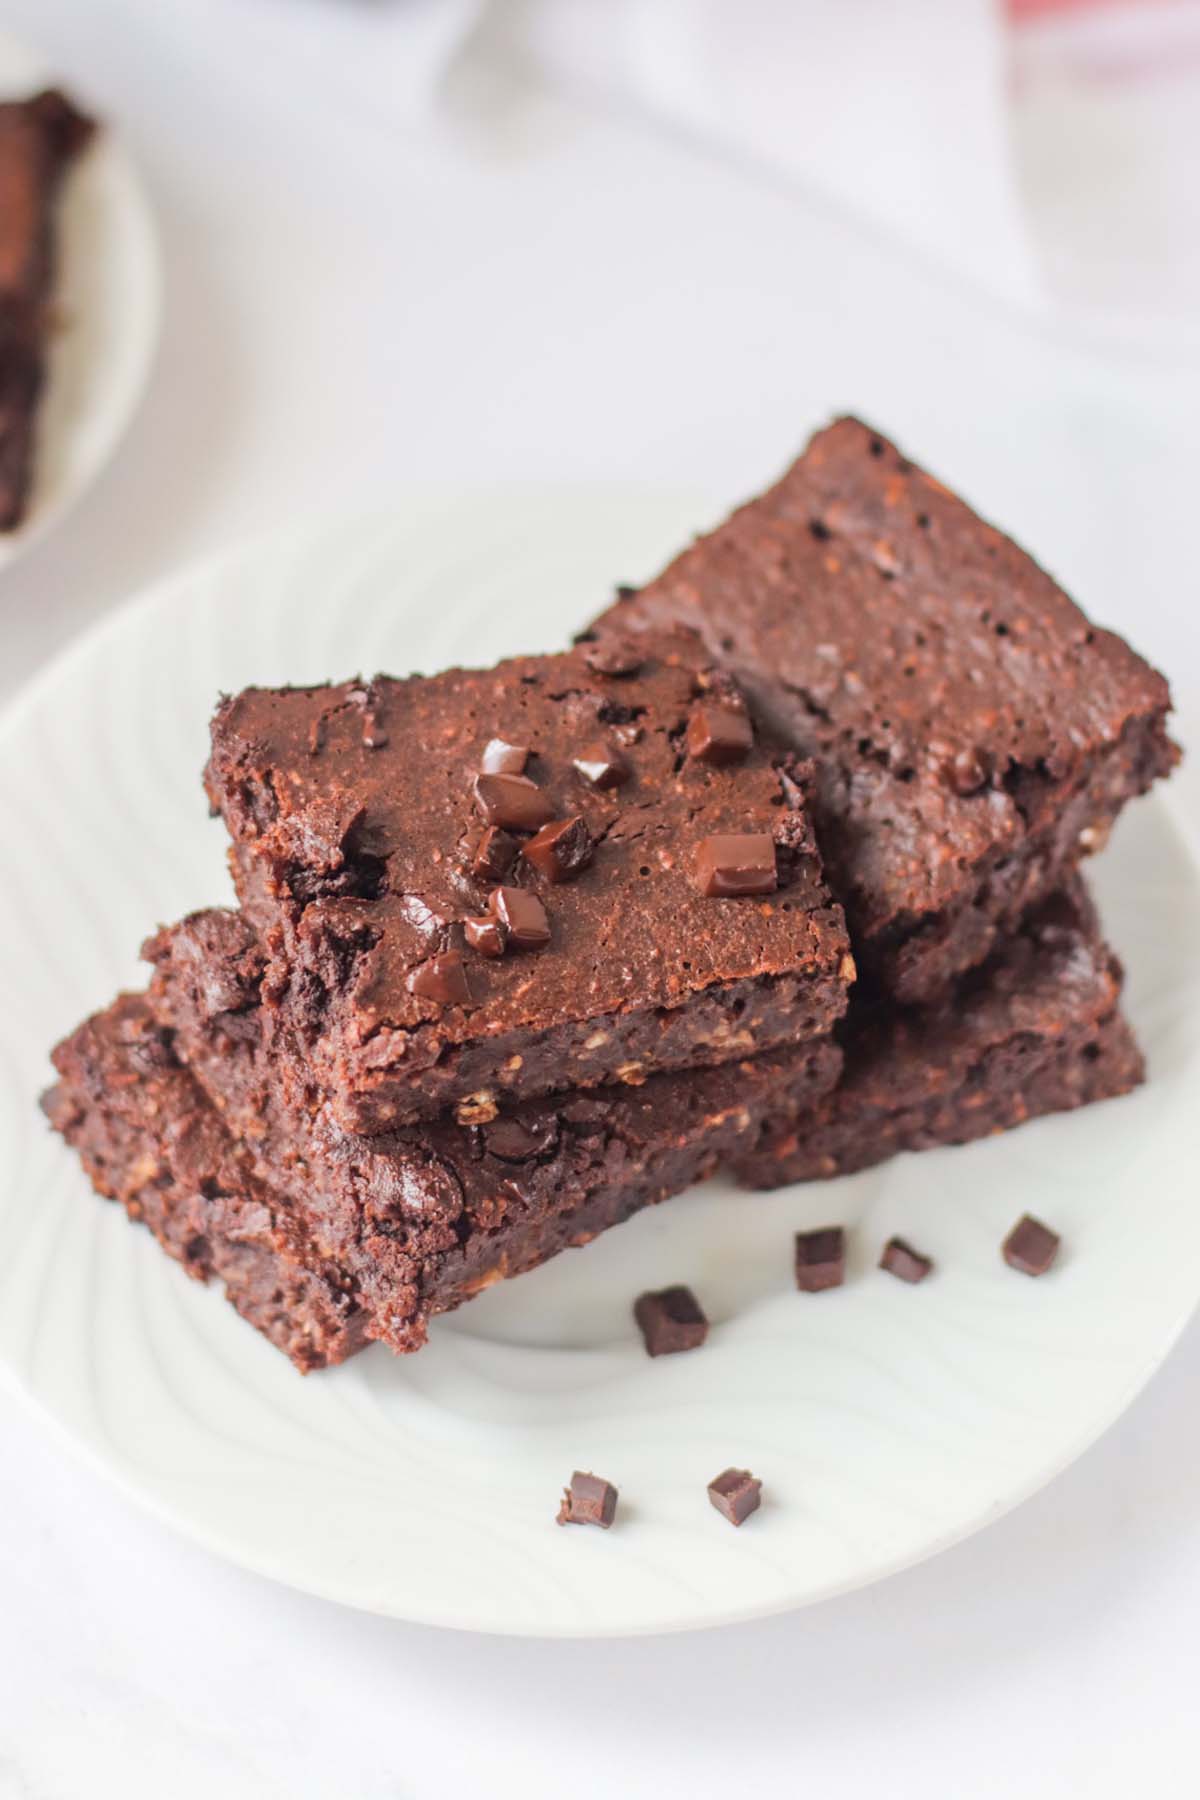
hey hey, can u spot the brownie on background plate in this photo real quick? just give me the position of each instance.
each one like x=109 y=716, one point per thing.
x=974 y=734
x=1035 y=1029
x=39 y=137
x=484 y=886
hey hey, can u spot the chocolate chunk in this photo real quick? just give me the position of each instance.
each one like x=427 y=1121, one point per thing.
x=670 y=1320
x=493 y=855
x=589 y=1500
x=1031 y=1246
x=512 y=800
x=901 y=1260
x=718 y=734
x=443 y=978
x=560 y=849
x=967 y=772
x=487 y=935
x=736 y=1494
x=523 y=916
x=602 y=766
x=502 y=758
x=820 y=1259
x=736 y=864
x=513 y=1142
x=613 y=656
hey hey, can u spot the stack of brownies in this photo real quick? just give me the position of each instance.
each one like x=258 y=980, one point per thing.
x=775 y=870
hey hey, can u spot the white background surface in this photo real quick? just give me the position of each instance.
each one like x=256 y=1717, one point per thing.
x=358 y=300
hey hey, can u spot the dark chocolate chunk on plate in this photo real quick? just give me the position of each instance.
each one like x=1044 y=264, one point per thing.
x=735 y=1493
x=590 y=1500
x=671 y=1319
x=1031 y=1246
x=820 y=1259
x=905 y=1263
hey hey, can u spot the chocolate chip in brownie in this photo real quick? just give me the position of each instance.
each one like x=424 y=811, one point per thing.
x=487 y=935
x=820 y=1259
x=735 y=1493
x=1031 y=1246
x=905 y=1263
x=513 y=801
x=502 y=758
x=603 y=766
x=523 y=916
x=561 y=849
x=967 y=771
x=443 y=978
x=670 y=1320
x=736 y=863
x=493 y=855
x=718 y=734
x=590 y=1500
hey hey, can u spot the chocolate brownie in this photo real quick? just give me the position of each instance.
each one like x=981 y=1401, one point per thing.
x=481 y=887
x=975 y=735
x=38 y=139
x=423 y=1218
x=1037 y=1029
x=348 y=1241
x=149 y=1139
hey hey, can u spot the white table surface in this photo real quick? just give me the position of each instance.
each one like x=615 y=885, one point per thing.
x=540 y=292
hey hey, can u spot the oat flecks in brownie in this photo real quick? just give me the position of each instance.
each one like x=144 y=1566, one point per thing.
x=735 y=1493
x=974 y=733
x=1031 y=1247
x=590 y=1500
x=425 y=1217
x=820 y=1259
x=343 y=856
x=670 y=1320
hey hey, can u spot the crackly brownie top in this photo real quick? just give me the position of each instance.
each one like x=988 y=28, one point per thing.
x=553 y=839
x=943 y=681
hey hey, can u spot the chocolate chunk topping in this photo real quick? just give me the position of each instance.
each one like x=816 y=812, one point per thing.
x=493 y=855
x=902 y=1261
x=512 y=800
x=670 y=1320
x=601 y=765
x=1031 y=1246
x=967 y=772
x=523 y=916
x=736 y=864
x=718 y=734
x=502 y=758
x=560 y=849
x=443 y=978
x=820 y=1259
x=736 y=1493
x=613 y=656
x=589 y=1500
x=487 y=935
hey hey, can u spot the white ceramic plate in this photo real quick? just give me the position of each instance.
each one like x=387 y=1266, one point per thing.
x=886 y=1421
x=107 y=300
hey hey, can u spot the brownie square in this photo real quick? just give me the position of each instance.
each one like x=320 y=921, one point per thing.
x=38 y=139
x=149 y=1139
x=1037 y=1029
x=974 y=734
x=481 y=887
x=420 y=1219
